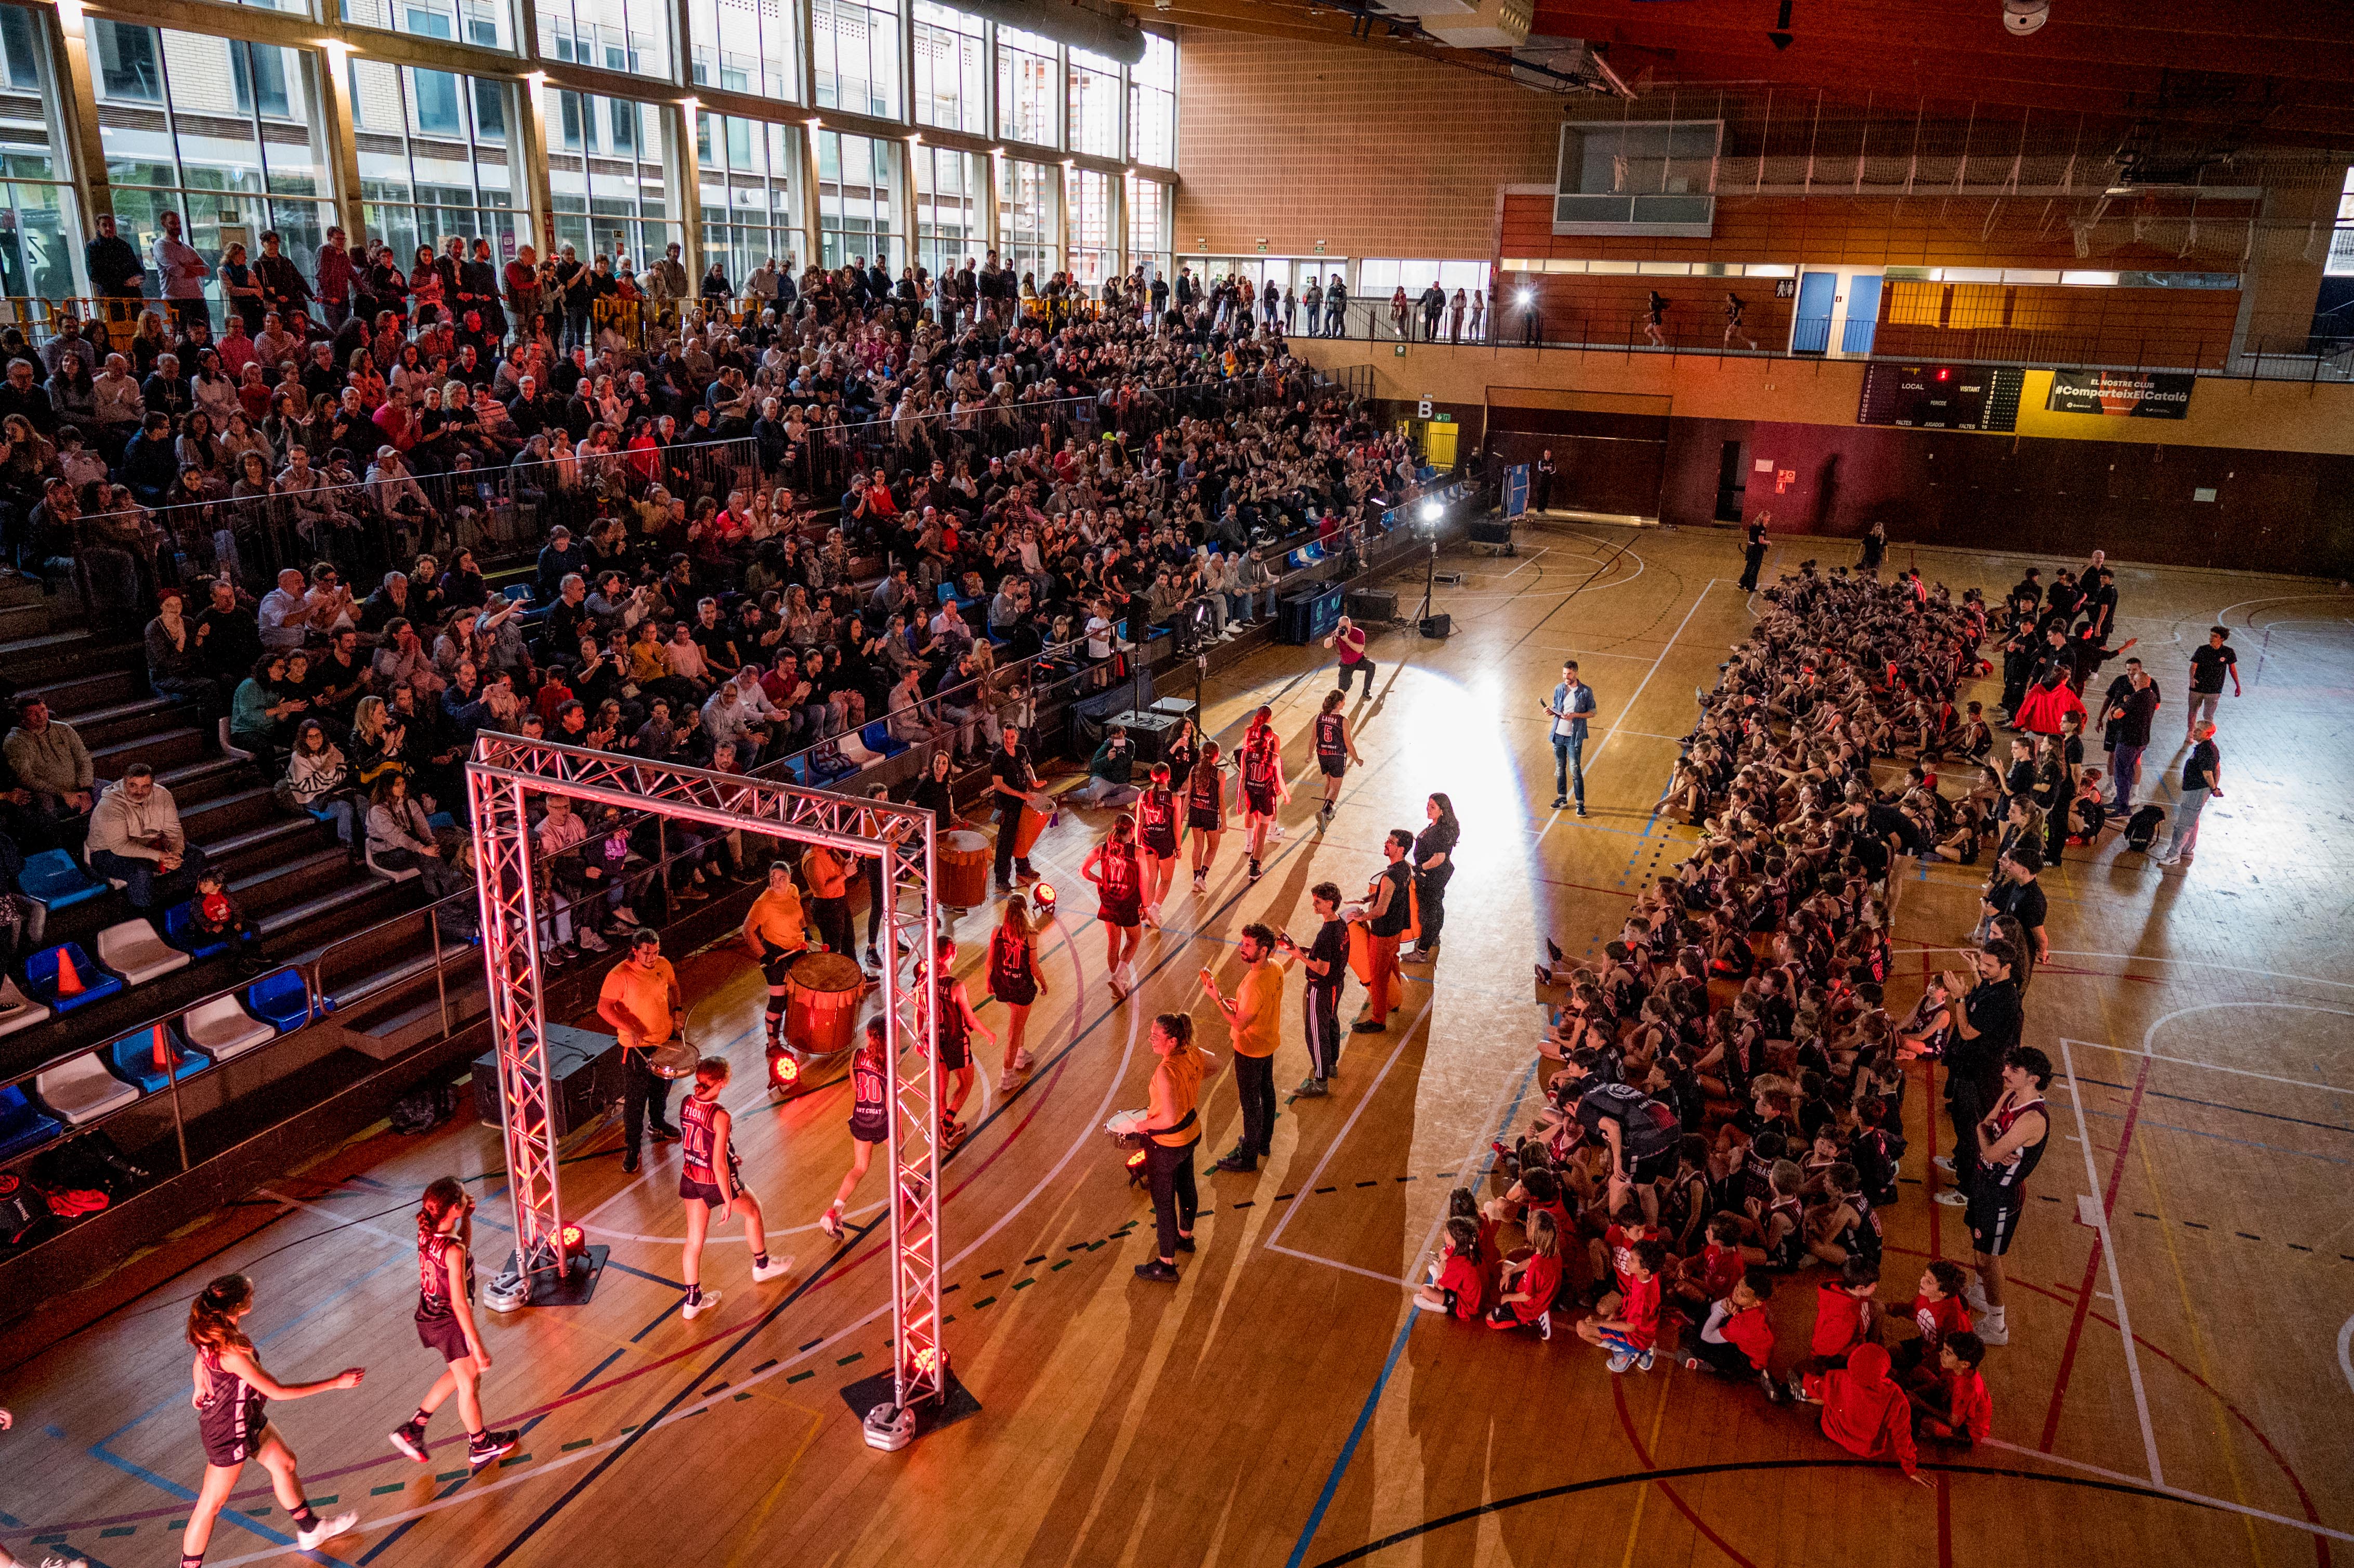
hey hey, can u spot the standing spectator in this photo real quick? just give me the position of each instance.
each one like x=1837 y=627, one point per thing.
x=336 y=273
x=2127 y=719
x=1171 y=1128
x=2207 y=667
x=1655 y=319
x=1572 y=709
x=1983 y=1035
x=180 y=273
x=1434 y=866
x=2202 y=775
x=135 y=838
x=1254 y=1014
x=1540 y=496
x=282 y=288
x=112 y=263
x=1752 y=550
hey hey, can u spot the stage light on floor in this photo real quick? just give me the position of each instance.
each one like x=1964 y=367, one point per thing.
x=575 y=1242
x=787 y=1074
x=1041 y=899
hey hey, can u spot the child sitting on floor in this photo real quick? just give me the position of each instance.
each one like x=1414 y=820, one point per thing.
x=1529 y=1285
x=1956 y=1408
x=1737 y=1337
x=1940 y=1312
x=1632 y=1332
x=1456 y=1279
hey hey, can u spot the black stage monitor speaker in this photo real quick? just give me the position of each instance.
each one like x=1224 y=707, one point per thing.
x=1438 y=625
x=586 y=1070
x=1491 y=532
x=1148 y=732
x=1372 y=604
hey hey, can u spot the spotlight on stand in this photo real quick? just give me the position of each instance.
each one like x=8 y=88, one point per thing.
x=1427 y=517
x=1041 y=899
x=575 y=1244
x=787 y=1077
x=1432 y=511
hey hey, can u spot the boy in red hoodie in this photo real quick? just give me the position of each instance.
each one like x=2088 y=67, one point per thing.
x=1845 y=1319
x=1632 y=1335
x=1956 y=1409
x=1865 y=1412
x=1937 y=1311
x=1737 y=1339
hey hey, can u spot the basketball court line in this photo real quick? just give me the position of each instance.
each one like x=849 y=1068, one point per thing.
x=1628 y=706
x=2093 y=1211
x=2212 y=1066
x=1307 y=1188
x=2309 y=1526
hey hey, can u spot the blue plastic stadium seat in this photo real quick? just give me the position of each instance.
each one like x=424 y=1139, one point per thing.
x=828 y=766
x=441 y=820
x=877 y=738
x=23 y=1123
x=180 y=930
x=280 y=1001
x=799 y=768
x=947 y=591
x=132 y=1059
x=41 y=978
x=519 y=592
x=53 y=878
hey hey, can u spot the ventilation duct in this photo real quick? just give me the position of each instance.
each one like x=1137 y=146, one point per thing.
x=1116 y=38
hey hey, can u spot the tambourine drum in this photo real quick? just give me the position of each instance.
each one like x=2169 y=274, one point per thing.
x=672 y=1059
x=821 y=995
x=1361 y=960
x=964 y=870
x=1033 y=823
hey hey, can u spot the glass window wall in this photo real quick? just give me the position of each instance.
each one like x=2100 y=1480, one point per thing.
x=1152 y=104
x=952 y=56
x=855 y=49
x=751 y=174
x=950 y=193
x=856 y=202
x=1027 y=218
x=1028 y=87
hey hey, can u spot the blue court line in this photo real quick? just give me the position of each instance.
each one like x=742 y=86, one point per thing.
x=2220 y=1105
x=2221 y=1137
x=1389 y=1368
x=677 y=1285
x=236 y=1517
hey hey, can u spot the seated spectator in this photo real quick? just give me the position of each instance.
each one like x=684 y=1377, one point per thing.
x=399 y=837
x=318 y=779
x=262 y=712
x=49 y=759
x=135 y=838
x=1110 y=773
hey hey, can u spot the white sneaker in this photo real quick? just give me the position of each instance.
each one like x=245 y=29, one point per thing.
x=1944 y=1163
x=778 y=1269
x=2164 y=859
x=591 y=942
x=694 y=1308
x=625 y=915
x=1954 y=1198
x=1621 y=1361
x=1022 y=1061
x=830 y=1222
x=1275 y=832
x=1993 y=1332
x=325 y=1529
x=1974 y=1297
x=1007 y=1081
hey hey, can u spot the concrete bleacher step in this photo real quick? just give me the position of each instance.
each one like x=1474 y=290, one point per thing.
x=33 y=662
x=209 y=819
x=70 y=696
x=294 y=880
x=268 y=844
x=207 y=779
x=351 y=907
x=131 y=719
x=161 y=750
x=24 y=620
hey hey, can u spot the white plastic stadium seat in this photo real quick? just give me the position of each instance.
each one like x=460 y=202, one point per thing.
x=84 y=1090
x=235 y=754
x=223 y=1029
x=18 y=1011
x=137 y=952
x=385 y=872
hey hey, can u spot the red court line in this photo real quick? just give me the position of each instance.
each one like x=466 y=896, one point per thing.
x=1626 y=1424
x=1945 y=1520
x=2092 y=1265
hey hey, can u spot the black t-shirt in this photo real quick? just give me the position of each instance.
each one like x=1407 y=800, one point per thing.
x=2198 y=768
x=1438 y=838
x=1330 y=947
x=2134 y=713
x=2024 y=902
x=1646 y=1126
x=1992 y=1009
x=1391 y=924
x=1013 y=769
x=1884 y=819
x=2207 y=667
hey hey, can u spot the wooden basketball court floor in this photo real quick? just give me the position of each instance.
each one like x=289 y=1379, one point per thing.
x=2180 y=1357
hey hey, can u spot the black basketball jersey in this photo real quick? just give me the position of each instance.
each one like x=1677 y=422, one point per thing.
x=1330 y=741
x=433 y=1282
x=228 y=1409
x=1201 y=793
x=951 y=1016
x=698 y=1138
x=1261 y=759
x=1116 y=873
x=1156 y=813
x=1009 y=963
x=870 y=1117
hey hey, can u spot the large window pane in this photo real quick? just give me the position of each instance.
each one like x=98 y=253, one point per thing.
x=1094 y=105
x=855 y=185
x=1028 y=217
x=1147 y=226
x=949 y=197
x=604 y=171
x=617 y=34
x=38 y=241
x=484 y=22
x=855 y=50
x=745 y=45
x=752 y=205
x=1152 y=104
x=950 y=55
x=431 y=164
x=1094 y=253
x=1028 y=87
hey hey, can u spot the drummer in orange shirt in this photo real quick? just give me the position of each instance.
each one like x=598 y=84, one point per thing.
x=642 y=1004
x=774 y=931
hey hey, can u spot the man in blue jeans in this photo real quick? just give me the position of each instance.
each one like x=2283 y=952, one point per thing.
x=2132 y=714
x=1572 y=707
x=135 y=838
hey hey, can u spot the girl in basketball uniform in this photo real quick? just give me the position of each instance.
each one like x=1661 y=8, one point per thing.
x=955 y=1030
x=1014 y=980
x=1117 y=871
x=707 y=1180
x=1205 y=813
x=1261 y=784
x=1336 y=749
x=445 y=1322
x=1156 y=837
x=870 y=1119
x=232 y=1389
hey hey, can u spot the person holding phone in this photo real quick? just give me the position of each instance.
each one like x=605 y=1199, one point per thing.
x=1571 y=709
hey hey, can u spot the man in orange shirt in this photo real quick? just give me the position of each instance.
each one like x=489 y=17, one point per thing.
x=829 y=886
x=642 y=1003
x=1254 y=1014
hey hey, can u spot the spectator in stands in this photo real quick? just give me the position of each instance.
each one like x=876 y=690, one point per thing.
x=175 y=664
x=319 y=779
x=136 y=839
x=399 y=838
x=112 y=262
x=49 y=759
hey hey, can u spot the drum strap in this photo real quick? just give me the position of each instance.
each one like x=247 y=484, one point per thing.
x=1181 y=1123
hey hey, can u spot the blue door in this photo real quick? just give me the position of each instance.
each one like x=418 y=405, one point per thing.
x=1810 y=329
x=1862 y=313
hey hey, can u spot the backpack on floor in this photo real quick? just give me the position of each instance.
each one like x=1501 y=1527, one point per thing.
x=2141 y=829
x=422 y=1109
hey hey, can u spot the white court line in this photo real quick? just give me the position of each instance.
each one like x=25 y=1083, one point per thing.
x=1524 y=566
x=2345 y=1346
x=1628 y=706
x=1334 y=1263
x=2307 y=1525
x=2211 y=1066
x=342 y=1223
x=2202 y=964
x=1308 y=1187
x=2109 y=1254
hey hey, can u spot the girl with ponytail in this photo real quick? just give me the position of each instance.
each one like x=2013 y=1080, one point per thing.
x=445 y=1322
x=231 y=1388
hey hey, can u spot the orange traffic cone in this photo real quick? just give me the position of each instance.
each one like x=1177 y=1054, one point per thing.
x=68 y=982
x=163 y=1051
